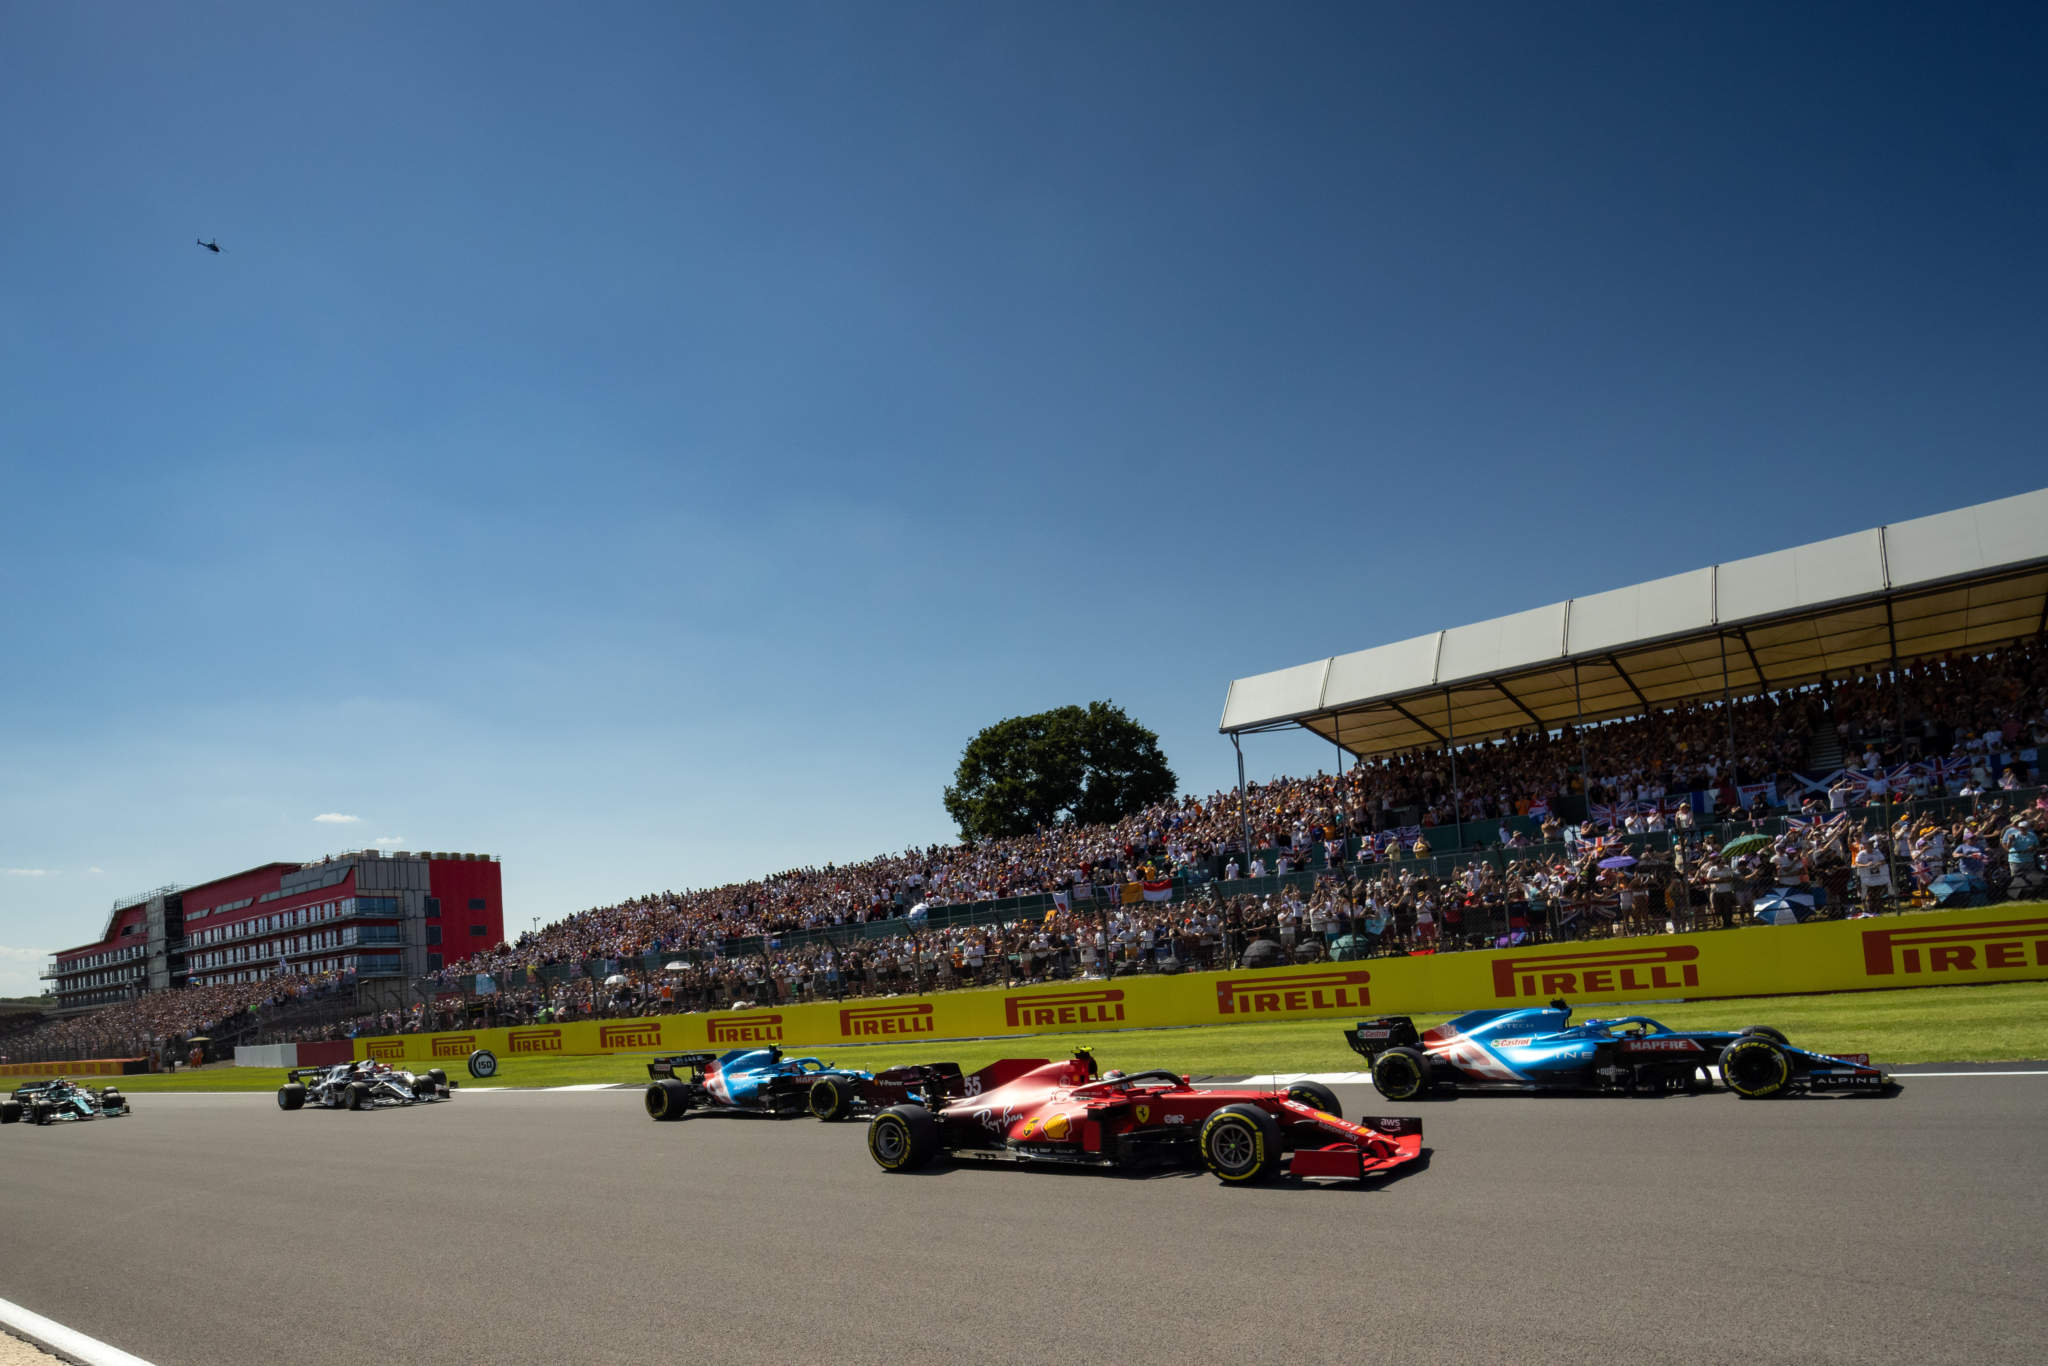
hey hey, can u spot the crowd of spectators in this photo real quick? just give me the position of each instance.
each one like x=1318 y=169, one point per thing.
x=159 y=1023
x=1988 y=712
x=1941 y=708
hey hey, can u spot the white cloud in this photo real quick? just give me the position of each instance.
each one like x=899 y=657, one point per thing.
x=32 y=872
x=95 y=869
x=20 y=971
x=336 y=818
x=390 y=842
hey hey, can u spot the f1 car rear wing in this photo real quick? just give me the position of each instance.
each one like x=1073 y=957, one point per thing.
x=1370 y=1038
x=1001 y=1072
x=664 y=1065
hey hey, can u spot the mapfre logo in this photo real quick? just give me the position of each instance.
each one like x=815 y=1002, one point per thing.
x=385 y=1048
x=869 y=1022
x=1310 y=991
x=1636 y=968
x=646 y=1034
x=1039 y=1008
x=747 y=1029
x=1975 y=947
x=453 y=1045
x=534 y=1041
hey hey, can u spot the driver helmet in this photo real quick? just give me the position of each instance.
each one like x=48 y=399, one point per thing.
x=1113 y=1074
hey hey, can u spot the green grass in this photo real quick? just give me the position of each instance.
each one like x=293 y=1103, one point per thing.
x=1998 y=1023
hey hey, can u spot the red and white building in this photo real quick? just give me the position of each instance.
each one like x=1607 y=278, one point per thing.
x=368 y=913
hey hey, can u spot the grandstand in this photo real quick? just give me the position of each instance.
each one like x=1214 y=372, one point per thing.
x=1954 y=583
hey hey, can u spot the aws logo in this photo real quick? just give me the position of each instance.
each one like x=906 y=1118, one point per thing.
x=1637 y=968
x=1310 y=991
x=453 y=1045
x=869 y=1022
x=385 y=1049
x=747 y=1029
x=645 y=1034
x=1042 y=1008
x=1976 y=947
x=534 y=1041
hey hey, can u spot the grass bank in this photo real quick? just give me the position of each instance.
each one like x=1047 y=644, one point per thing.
x=1999 y=1023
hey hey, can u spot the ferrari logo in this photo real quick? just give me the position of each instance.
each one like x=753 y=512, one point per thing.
x=1144 y=1113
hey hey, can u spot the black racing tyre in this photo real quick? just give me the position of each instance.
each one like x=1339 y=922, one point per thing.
x=1755 y=1068
x=291 y=1096
x=438 y=1077
x=10 y=1112
x=1241 y=1144
x=1401 y=1074
x=1767 y=1032
x=483 y=1063
x=831 y=1098
x=358 y=1096
x=903 y=1138
x=1316 y=1096
x=42 y=1113
x=667 y=1100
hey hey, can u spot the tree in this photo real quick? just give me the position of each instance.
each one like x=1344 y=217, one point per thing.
x=1090 y=765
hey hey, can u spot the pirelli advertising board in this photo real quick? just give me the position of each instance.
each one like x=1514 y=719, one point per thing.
x=1933 y=949
x=89 y=1067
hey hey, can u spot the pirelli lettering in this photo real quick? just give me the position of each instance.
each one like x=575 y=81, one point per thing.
x=1975 y=947
x=877 y=1022
x=1044 y=1009
x=453 y=1045
x=746 y=1029
x=642 y=1034
x=534 y=1041
x=1294 y=993
x=1650 y=967
x=384 y=1048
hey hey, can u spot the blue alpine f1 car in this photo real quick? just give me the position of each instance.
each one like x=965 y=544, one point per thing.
x=49 y=1102
x=1540 y=1049
x=763 y=1081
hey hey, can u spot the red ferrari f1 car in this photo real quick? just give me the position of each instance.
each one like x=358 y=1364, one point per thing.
x=1068 y=1113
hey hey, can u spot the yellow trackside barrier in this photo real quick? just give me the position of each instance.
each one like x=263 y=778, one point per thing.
x=89 y=1067
x=1933 y=949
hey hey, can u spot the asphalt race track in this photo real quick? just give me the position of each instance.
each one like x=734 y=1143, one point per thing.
x=533 y=1227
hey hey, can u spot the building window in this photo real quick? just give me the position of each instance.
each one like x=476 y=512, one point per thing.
x=433 y=907
x=433 y=934
x=433 y=962
x=477 y=930
x=476 y=903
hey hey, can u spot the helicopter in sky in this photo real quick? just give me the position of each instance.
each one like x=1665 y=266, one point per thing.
x=213 y=246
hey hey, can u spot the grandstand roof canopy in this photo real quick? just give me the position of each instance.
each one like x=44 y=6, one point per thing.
x=1963 y=580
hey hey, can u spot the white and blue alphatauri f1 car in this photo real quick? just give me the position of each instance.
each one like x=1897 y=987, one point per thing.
x=363 y=1085
x=1540 y=1049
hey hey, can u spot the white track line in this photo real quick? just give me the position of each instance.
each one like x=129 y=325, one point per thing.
x=58 y=1338
x=1903 y=1075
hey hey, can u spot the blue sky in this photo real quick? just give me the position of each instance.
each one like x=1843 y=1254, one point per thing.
x=646 y=443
